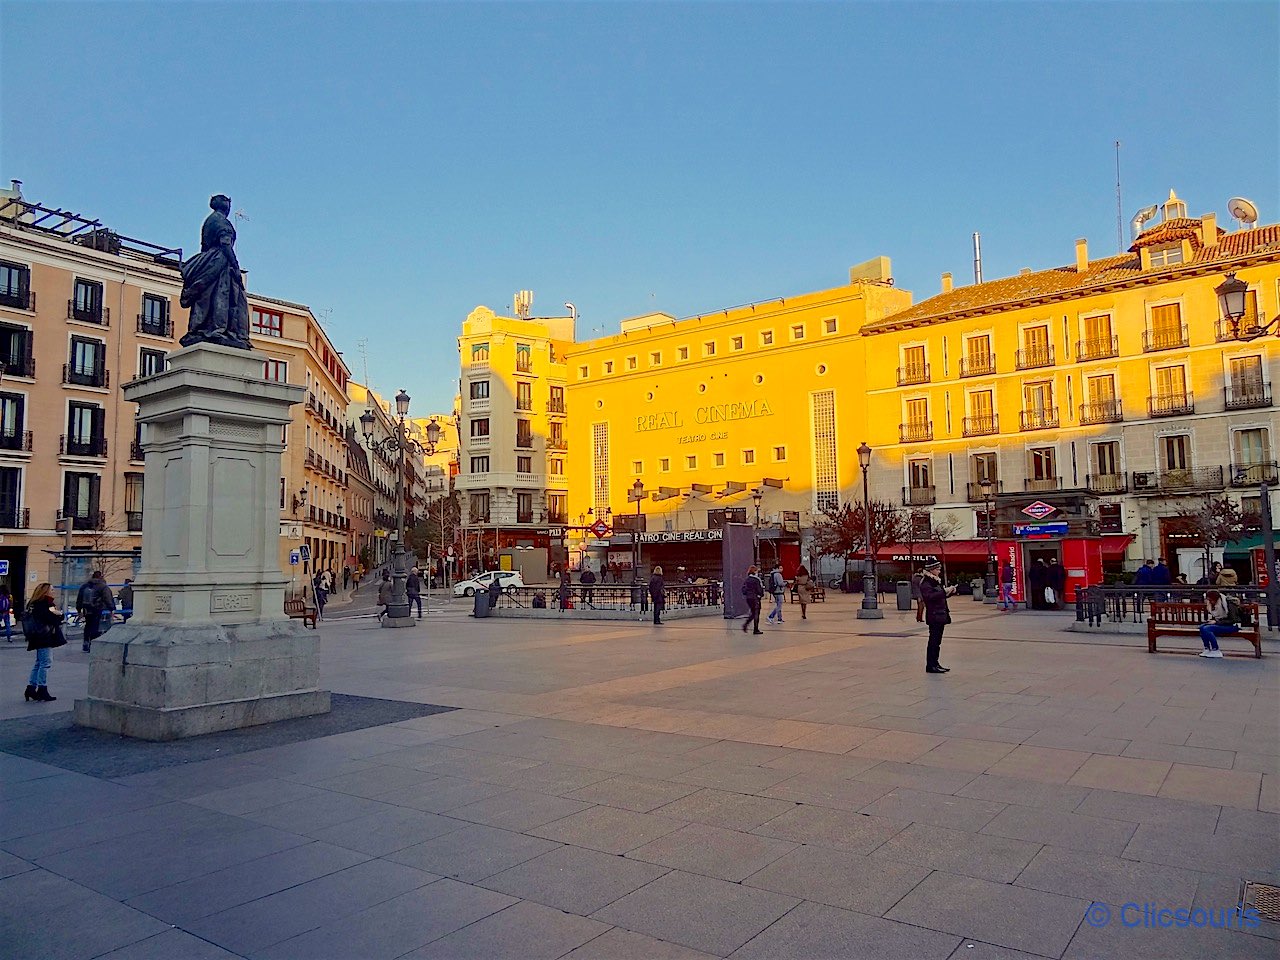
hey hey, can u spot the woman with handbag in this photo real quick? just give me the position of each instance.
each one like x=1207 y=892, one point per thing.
x=42 y=624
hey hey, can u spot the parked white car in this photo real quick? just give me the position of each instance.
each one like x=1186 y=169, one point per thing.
x=509 y=579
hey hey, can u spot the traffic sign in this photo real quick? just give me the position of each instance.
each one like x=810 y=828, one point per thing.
x=304 y=551
x=599 y=528
x=4 y=568
x=295 y=557
x=1040 y=510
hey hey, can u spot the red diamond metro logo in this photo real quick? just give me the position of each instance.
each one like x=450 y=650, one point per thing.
x=1039 y=510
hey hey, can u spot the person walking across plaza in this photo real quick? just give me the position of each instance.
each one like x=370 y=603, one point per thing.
x=802 y=583
x=6 y=613
x=43 y=627
x=321 y=591
x=92 y=602
x=1227 y=577
x=936 y=613
x=1224 y=620
x=753 y=592
x=413 y=588
x=1056 y=576
x=126 y=600
x=658 y=594
x=778 y=589
x=1007 y=603
x=384 y=595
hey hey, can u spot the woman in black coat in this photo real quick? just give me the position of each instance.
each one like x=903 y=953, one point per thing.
x=43 y=626
x=658 y=594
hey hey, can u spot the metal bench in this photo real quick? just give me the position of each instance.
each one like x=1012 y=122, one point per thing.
x=1185 y=619
x=297 y=609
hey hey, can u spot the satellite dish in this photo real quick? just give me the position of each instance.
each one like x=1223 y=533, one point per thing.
x=1243 y=210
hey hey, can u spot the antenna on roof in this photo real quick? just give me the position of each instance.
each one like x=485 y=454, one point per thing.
x=1119 y=207
x=1243 y=210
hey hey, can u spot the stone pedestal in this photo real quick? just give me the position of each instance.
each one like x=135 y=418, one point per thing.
x=209 y=646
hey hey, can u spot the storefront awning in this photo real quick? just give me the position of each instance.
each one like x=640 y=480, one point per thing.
x=1115 y=546
x=955 y=551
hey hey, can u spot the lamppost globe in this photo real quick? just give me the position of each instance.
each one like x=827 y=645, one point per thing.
x=870 y=609
x=402 y=404
x=366 y=425
x=1231 y=297
x=433 y=432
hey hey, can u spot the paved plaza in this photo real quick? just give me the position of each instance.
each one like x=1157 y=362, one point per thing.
x=611 y=791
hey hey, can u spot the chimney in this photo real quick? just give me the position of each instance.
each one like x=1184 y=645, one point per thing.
x=1082 y=255
x=1024 y=271
x=17 y=188
x=946 y=283
x=1209 y=230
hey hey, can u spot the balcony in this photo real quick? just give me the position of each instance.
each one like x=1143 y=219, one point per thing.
x=557 y=518
x=92 y=520
x=133 y=521
x=155 y=327
x=1045 y=418
x=18 y=299
x=1106 y=483
x=1190 y=478
x=135 y=451
x=478 y=365
x=1102 y=411
x=89 y=313
x=96 y=376
x=1171 y=405
x=1165 y=338
x=1029 y=358
x=478 y=443
x=478 y=404
x=524 y=366
x=978 y=365
x=1247 y=394
x=523 y=405
x=917 y=373
x=915 y=432
x=524 y=442
x=524 y=516
x=18 y=441
x=1101 y=348
x=557 y=443
x=1041 y=484
x=919 y=496
x=15 y=518
x=23 y=365
x=981 y=426
x=555 y=406
x=975 y=494
x=1252 y=474
x=82 y=446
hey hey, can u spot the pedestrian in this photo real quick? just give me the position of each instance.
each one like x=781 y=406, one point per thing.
x=936 y=613
x=1160 y=575
x=1142 y=578
x=565 y=580
x=616 y=569
x=93 y=600
x=1038 y=579
x=495 y=591
x=43 y=628
x=1227 y=577
x=802 y=584
x=1006 y=587
x=346 y=577
x=915 y=592
x=384 y=595
x=778 y=588
x=1224 y=620
x=658 y=594
x=6 y=613
x=1057 y=581
x=753 y=591
x=126 y=600
x=413 y=587
x=322 y=595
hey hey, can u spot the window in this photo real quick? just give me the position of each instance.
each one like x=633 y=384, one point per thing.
x=826 y=470
x=984 y=466
x=12 y=421
x=80 y=498
x=1166 y=256
x=737 y=343
x=557 y=467
x=480 y=353
x=920 y=474
x=524 y=358
x=797 y=331
x=978 y=358
x=1246 y=387
x=982 y=405
x=15 y=351
x=556 y=439
x=1036 y=350
x=133 y=501
x=479 y=389
x=1171 y=382
x=88 y=362
x=830 y=325
x=717 y=459
x=913 y=358
x=266 y=323
x=15 y=285
x=524 y=433
x=1166 y=330
x=524 y=507
x=277 y=370
x=86 y=305
x=682 y=353
x=556 y=403
x=1175 y=452
x=779 y=454
x=524 y=395
x=480 y=507
x=557 y=508
x=633 y=363
x=154 y=318
x=637 y=467
x=664 y=465
x=748 y=457
x=1251 y=447
x=766 y=338
x=655 y=359
x=524 y=464
x=608 y=366
x=1038 y=397
x=918 y=411
x=480 y=427
x=1106 y=458
x=1102 y=389
x=1110 y=518
x=691 y=462
x=151 y=362
x=1098 y=340
x=709 y=348
x=479 y=464
x=582 y=373
x=1044 y=462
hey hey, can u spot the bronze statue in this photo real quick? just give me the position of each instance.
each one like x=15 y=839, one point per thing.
x=213 y=287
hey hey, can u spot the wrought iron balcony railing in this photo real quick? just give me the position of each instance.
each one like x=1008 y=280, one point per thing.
x=978 y=365
x=555 y=406
x=914 y=373
x=96 y=376
x=1046 y=418
x=915 y=432
x=1189 y=478
x=89 y=313
x=1031 y=357
x=19 y=440
x=133 y=521
x=1247 y=394
x=1101 y=411
x=155 y=327
x=1252 y=474
x=1171 y=404
x=82 y=446
x=1100 y=348
x=981 y=426
x=18 y=299
x=15 y=518
x=1041 y=484
x=22 y=365
x=1107 y=483
x=1165 y=338
x=90 y=520
x=919 y=496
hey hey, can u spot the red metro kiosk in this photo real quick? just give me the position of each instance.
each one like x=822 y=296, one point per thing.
x=1060 y=526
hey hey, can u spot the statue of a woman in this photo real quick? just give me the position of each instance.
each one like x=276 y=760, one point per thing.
x=213 y=287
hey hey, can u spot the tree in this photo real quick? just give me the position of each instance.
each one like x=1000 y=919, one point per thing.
x=438 y=527
x=1214 y=522
x=842 y=532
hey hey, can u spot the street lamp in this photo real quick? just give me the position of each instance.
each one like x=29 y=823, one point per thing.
x=989 y=591
x=757 y=495
x=399 y=444
x=1232 y=302
x=870 y=609
x=637 y=494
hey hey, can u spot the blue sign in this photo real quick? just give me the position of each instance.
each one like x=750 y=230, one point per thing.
x=4 y=568
x=1039 y=530
x=305 y=552
x=294 y=558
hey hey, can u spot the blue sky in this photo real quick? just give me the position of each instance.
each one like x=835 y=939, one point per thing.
x=400 y=163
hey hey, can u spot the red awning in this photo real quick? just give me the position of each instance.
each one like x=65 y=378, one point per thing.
x=955 y=551
x=1115 y=545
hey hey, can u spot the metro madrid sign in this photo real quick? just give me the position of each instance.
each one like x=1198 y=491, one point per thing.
x=1039 y=510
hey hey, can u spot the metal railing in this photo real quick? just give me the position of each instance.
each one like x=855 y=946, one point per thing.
x=1106 y=483
x=919 y=496
x=20 y=366
x=1041 y=484
x=981 y=426
x=634 y=597
x=557 y=443
x=975 y=494
x=1165 y=338
x=95 y=313
x=92 y=447
x=1244 y=329
x=99 y=376
x=1247 y=394
x=555 y=406
x=1100 y=348
x=1191 y=478
x=1252 y=474
x=1045 y=418
x=978 y=365
x=1171 y=404
x=915 y=432
x=15 y=518
x=93 y=520
x=19 y=440
x=1126 y=603
x=19 y=299
x=916 y=373
x=1032 y=357
x=1105 y=411
x=162 y=327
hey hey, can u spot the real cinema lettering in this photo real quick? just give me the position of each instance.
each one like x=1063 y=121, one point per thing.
x=713 y=413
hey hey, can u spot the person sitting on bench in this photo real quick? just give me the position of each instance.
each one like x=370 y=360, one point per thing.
x=1224 y=620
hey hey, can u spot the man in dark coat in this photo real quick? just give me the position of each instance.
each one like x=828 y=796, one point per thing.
x=1037 y=580
x=1143 y=576
x=936 y=613
x=92 y=602
x=658 y=594
x=753 y=592
x=1160 y=575
x=1057 y=577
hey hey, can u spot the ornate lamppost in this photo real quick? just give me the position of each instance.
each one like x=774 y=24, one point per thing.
x=989 y=590
x=399 y=443
x=870 y=609
x=637 y=494
x=757 y=495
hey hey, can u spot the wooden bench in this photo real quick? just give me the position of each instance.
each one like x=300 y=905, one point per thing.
x=817 y=593
x=297 y=609
x=1185 y=619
